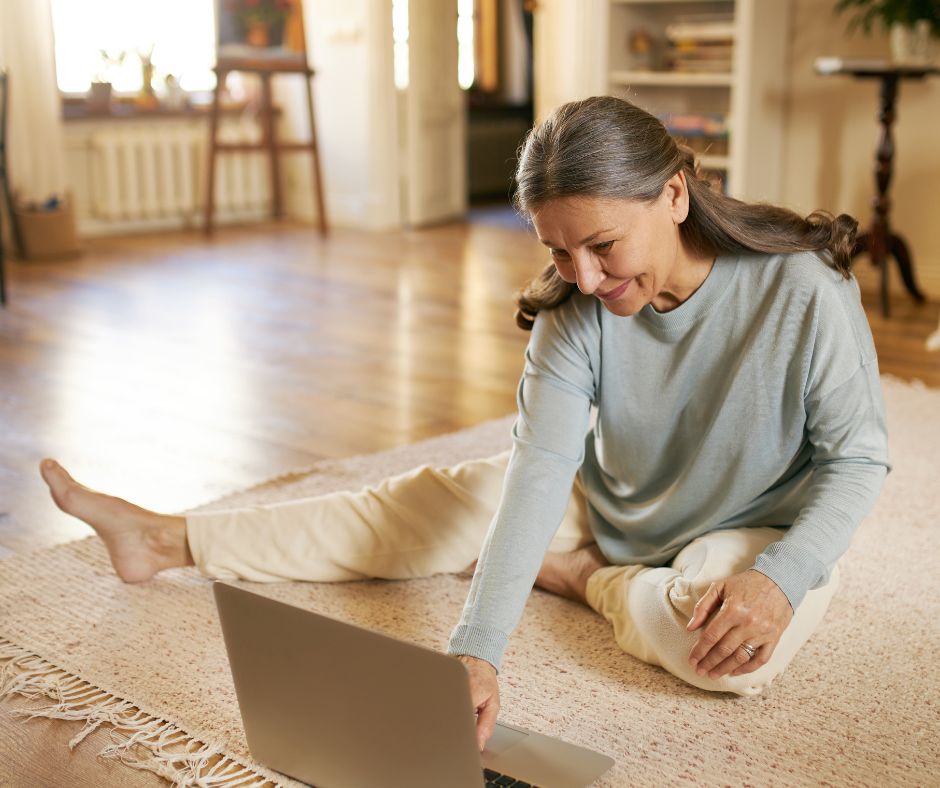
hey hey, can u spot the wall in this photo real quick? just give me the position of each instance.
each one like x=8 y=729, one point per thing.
x=569 y=52
x=350 y=48
x=832 y=133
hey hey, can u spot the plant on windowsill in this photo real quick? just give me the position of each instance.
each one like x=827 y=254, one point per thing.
x=911 y=24
x=99 y=94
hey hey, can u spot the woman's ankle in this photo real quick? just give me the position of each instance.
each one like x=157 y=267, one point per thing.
x=167 y=538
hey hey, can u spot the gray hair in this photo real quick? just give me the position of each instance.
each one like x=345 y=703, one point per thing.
x=609 y=148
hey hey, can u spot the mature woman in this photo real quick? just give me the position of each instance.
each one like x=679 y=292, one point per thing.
x=739 y=436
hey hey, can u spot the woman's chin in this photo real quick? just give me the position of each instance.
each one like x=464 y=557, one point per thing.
x=626 y=307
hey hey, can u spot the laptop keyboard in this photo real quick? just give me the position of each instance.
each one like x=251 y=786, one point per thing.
x=496 y=780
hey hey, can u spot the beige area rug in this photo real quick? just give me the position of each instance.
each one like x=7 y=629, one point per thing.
x=858 y=706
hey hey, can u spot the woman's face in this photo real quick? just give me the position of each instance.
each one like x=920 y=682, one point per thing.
x=625 y=252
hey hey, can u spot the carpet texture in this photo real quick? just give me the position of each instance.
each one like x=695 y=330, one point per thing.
x=858 y=706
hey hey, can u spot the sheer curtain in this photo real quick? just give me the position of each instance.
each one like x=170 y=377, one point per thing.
x=36 y=153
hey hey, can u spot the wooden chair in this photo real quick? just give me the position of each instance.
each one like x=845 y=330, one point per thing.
x=6 y=198
x=4 y=185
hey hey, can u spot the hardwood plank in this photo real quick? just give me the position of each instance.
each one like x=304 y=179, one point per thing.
x=36 y=753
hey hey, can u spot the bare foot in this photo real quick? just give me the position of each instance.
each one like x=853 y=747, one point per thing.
x=140 y=542
x=566 y=574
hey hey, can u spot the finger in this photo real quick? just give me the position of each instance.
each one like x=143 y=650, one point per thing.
x=703 y=608
x=710 y=637
x=739 y=658
x=723 y=642
x=761 y=658
x=486 y=721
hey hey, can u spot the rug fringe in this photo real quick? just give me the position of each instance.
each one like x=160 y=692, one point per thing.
x=139 y=740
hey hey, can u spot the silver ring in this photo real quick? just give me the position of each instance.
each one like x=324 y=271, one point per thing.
x=751 y=650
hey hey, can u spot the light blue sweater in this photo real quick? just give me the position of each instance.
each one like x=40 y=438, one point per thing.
x=756 y=402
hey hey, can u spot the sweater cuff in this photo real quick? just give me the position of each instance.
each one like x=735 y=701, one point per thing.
x=480 y=642
x=794 y=570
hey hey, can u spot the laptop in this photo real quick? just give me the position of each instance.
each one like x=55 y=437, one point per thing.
x=338 y=706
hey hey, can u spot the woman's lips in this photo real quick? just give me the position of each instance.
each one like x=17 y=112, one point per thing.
x=616 y=292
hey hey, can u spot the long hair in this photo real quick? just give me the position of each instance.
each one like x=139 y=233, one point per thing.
x=609 y=148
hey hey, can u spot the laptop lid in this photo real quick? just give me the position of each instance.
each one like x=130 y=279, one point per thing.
x=335 y=705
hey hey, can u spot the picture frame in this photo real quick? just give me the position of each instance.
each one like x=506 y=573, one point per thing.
x=261 y=31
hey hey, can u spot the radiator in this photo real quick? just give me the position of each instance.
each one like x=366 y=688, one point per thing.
x=157 y=172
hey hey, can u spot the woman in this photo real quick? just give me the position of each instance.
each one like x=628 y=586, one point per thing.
x=739 y=435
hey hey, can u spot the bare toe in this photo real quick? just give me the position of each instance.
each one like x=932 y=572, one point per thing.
x=59 y=482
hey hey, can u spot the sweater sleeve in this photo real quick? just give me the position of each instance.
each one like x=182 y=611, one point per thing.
x=554 y=400
x=845 y=425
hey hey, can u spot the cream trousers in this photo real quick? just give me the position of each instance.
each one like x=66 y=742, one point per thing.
x=433 y=520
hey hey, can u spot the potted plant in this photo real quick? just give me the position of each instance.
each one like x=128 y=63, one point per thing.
x=99 y=96
x=911 y=24
x=261 y=21
x=147 y=98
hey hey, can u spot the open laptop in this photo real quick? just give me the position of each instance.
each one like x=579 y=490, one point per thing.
x=339 y=706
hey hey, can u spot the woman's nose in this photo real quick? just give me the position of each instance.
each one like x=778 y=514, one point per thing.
x=588 y=273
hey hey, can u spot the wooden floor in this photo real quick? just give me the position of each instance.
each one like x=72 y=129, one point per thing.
x=171 y=370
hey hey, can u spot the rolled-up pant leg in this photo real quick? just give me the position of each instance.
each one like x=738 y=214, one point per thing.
x=416 y=524
x=650 y=607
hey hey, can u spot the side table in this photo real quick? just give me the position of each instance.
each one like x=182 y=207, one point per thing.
x=879 y=241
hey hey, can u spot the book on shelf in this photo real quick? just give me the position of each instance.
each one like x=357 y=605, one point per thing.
x=704 y=49
x=709 y=124
x=700 y=43
x=719 y=31
x=705 y=132
x=693 y=66
x=701 y=27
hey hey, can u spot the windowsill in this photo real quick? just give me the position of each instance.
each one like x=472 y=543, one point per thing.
x=76 y=109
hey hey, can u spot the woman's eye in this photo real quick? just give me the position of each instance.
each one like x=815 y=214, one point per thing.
x=558 y=253
x=604 y=247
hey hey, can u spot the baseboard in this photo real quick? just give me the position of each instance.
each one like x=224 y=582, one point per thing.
x=91 y=228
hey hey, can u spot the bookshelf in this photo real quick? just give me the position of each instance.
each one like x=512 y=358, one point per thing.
x=666 y=78
x=714 y=71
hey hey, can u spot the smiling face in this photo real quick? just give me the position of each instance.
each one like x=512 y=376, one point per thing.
x=625 y=252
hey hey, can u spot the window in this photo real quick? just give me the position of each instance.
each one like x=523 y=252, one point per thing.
x=180 y=32
x=465 y=63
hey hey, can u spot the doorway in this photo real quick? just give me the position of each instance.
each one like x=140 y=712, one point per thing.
x=500 y=108
x=457 y=138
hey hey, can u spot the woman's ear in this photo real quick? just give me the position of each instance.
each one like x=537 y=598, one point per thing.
x=677 y=193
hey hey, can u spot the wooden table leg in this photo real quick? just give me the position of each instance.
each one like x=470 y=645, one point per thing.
x=879 y=241
x=270 y=140
x=213 y=152
x=315 y=153
x=3 y=275
x=878 y=234
x=899 y=250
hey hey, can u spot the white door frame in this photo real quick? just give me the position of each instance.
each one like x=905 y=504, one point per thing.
x=569 y=52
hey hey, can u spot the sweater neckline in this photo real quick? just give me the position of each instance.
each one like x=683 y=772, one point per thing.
x=696 y=306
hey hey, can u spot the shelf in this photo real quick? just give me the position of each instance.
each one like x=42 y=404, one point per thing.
x=749 y=96
x=714 y=162
x=663 y=2
x=679 y=79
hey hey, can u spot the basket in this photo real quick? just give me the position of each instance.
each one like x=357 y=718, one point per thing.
x=48 y=234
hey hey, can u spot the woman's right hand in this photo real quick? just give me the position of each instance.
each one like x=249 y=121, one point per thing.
x=484 y=691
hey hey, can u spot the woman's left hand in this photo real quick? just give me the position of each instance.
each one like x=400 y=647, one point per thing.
x=751 y=609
